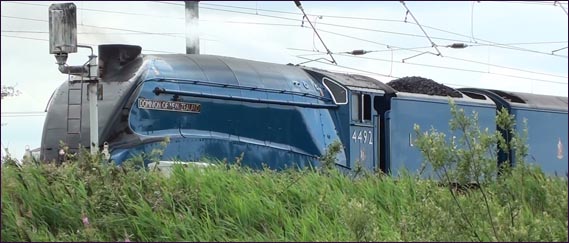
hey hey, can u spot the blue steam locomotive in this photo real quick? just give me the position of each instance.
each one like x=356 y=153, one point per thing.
x=275 y=115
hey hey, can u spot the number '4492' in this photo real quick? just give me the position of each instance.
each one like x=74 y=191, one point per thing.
x=363 y=136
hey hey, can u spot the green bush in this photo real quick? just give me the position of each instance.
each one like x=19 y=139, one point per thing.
x=507 y=204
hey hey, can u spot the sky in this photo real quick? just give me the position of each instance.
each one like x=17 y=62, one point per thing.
x=511 y=45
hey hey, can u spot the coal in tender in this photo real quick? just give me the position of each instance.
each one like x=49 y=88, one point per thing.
x=420 y=85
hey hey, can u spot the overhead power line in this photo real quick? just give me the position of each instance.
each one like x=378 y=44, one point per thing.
x=328 y=24
x=23 y=37
x=427 y=35
x=524 y=43
x=315 y=31
x=497 y=45
x=93 y=26
x=494 y=44
x=91 y=33
x=103 y=11
x=349 y=68
x=102 y=33
x=419 y=64
x=446 y=56
x=391 y=48
x=325 y=31
x=336 y=25
x=561 y=6
x=89 y=44
x=534 y=3
x=375 y=42
x=454 y=58
x=559 y=49
x=330 y=32
x=449 y=68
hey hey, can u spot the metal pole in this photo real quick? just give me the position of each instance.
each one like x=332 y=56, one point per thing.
x=93 y=106
x=192 y=27
x=93 y=117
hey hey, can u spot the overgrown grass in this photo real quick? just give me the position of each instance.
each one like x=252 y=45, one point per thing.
x=86 y=199
x=91 y=201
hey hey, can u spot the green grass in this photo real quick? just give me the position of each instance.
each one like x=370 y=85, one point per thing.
x=49 y=203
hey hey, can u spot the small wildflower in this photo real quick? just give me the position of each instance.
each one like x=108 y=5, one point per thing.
x=85 y=221
x=126 y=237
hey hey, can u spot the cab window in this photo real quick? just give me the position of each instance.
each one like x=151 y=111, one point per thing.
x=361 y=107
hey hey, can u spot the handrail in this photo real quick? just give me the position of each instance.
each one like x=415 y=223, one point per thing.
x=159 y=91
x=239 y=87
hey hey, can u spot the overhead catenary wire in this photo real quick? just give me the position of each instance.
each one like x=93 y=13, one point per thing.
x=524 y=43
x=348 y=68
x=561 y=6
x=451 y=68
x=92 y=33
x=334 y=33
x=102 y=33
x=494 y=44
x=374 y=42
x=90 y=44
x=534 y=3
x=446 y=56
x=501 y=45
x=93 y=26
x=497 y=45
x=328 y=24
x=315 y=31
x=337 y=25
x=559 y=49
x=330 y=32
x=372 y=51
x=323 y=31
x=102 y=11
x=425 y=32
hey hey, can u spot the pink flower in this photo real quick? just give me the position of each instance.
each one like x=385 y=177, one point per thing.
x=85 y=221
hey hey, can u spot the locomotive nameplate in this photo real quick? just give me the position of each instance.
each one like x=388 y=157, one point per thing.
x=165 y=105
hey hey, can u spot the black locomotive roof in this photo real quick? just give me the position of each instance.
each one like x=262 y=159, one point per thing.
x=537 y=100
x=354 y=80
x=524 y=100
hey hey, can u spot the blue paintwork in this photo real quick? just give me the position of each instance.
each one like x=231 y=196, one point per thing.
x=283 y=117
x=545 y=129
x=363 y=137
x=255 y=154
x=287 y=130
x=427 y=112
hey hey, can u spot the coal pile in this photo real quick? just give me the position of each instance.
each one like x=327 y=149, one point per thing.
x=420 y=85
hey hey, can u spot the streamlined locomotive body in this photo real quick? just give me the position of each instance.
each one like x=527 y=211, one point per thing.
x=275 y=115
